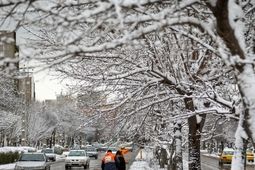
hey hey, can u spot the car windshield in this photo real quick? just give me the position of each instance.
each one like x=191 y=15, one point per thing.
x=228 y=153
x=48 y=151
x=76 y=153
x=32 y=157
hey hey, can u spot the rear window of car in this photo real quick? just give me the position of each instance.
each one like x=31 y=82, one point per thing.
x=77 y=153
x=32 y=157
x=228 y=152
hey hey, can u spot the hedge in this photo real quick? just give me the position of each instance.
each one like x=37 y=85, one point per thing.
x=8 y=157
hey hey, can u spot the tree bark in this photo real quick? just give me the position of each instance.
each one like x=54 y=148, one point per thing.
x=178 y=146
x=244 y=71
x=194 y=137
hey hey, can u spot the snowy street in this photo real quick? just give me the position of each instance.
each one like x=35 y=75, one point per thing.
x=212 y=163
x=95 y=164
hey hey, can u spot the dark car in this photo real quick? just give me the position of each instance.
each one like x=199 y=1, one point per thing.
x=91 y=152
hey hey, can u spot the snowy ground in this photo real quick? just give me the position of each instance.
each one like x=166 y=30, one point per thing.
x=7 y=166
x=144 y=161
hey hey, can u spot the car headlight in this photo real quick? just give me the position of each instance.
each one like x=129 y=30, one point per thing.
x=82 y=160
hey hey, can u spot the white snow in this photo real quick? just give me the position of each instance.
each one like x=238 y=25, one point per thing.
x=142 y=160
x=144 y=155
x=140 y=165
x=16 y=149
x=247 y=77
x=7 y=166
x=235 y=20
x=199 y=119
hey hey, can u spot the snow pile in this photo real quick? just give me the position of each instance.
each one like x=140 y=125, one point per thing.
x=17 y=149
x=60 y=157
x=140 y=165
x=142 y=160
x=7 y=166
x=144 y=155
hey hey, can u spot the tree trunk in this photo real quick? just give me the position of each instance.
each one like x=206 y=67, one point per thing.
x=171 y=161
x=245 y=71
x=194 y=137
x=178 y=145
x=163 y=158
x=239 y=159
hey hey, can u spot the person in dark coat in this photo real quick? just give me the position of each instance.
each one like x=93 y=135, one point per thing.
x=108 y=161
x=120 y=161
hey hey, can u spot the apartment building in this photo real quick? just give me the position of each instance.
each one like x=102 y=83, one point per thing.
x=10 y=67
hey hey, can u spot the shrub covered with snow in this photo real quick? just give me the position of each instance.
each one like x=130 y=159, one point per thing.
x=8 y=157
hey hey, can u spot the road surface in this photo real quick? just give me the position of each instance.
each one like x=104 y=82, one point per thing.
x=212 y=163
x=95 y=164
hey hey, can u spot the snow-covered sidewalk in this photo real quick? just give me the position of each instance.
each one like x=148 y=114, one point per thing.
x=7 y=166
x=140 y=165
x=142 y=160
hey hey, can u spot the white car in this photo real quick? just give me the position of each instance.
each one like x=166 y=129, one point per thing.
x=32 y=161
x=91 y=152
x=50 y=154
x=77 y=158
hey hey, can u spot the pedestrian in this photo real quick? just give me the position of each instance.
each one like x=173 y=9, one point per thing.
x=108 y=161
x=120 y=161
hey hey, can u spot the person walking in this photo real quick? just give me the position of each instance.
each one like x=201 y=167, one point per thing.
x=120 y=161
x=108 y=161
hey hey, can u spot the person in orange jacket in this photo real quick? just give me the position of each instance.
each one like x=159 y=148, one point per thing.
x=108 y=161
x=124 y=150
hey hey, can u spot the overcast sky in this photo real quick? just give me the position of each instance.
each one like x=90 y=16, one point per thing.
x=47 y=86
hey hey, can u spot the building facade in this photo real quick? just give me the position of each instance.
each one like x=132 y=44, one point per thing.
x=10 y=67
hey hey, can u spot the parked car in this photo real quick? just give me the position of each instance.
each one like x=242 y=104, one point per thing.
x=250 y=156
x=91 y=152
x=226 y=156
x=102 y=149
x=50 y=154
x=32 y=161
x=77 y=158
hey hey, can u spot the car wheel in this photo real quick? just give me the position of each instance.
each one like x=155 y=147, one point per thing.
x=67 y=167
x=95 y=157
x=220 y=163
x=85 y=166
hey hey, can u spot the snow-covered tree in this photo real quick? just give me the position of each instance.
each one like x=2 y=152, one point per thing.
x=41 y=121
x=84 y=29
